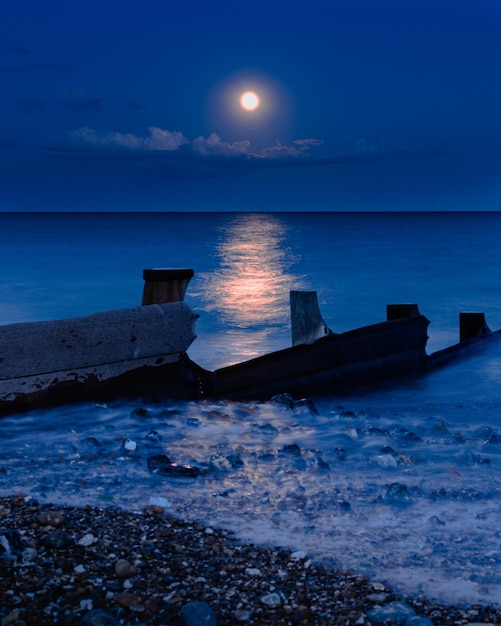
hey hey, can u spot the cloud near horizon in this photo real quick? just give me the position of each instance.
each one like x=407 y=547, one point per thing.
x=159 y=139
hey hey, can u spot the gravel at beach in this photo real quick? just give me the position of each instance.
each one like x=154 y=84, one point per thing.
x=101 y=567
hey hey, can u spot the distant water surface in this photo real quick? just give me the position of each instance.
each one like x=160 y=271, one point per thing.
x=59 y=265
x=402 y=483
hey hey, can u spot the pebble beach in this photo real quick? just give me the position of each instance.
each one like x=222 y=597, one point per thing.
x=103 y=567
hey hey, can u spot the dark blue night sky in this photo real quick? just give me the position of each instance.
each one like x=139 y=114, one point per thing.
x=365 y=105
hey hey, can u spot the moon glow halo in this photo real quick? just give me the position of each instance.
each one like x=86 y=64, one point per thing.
x=249 y=101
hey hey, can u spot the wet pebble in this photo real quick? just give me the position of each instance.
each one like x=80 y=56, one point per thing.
x=159 y=503
x=199 y=614
x=98 y=617
x=271 y=599
x=11 y=542
x=418 y=620
x=58 y=539
x=395 y=612
x=240 y=583
x=219 y=462
x=125 y=569
x=14 y=617
x=129 y=445
x=51 y=518
x=128 y=600
x=28 y=555
x=299 y=555
x=87 y=540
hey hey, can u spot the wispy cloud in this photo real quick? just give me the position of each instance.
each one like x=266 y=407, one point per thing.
x=301 y=147
x=214 y=145
x=170 y=155
x=159 y=139
x=80 y=100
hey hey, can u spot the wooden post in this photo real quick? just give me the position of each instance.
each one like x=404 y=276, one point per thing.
x=165 y=285
x=472 y=325
x=401 y=311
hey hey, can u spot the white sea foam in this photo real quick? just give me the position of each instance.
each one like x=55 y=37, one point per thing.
x=426 y=523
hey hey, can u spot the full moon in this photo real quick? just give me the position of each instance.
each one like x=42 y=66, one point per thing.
x=249 y=101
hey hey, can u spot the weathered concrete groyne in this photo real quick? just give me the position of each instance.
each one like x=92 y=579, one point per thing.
x=104 y=355
x=321 y=361
x=142 y=351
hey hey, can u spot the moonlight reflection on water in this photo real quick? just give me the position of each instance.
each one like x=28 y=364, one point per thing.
x=249 y=288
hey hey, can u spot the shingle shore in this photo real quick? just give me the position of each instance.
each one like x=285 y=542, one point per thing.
x=99 y=567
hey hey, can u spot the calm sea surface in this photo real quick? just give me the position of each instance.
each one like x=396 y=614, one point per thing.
x=402 y=483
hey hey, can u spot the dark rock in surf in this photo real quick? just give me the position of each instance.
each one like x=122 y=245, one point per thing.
x=397 y=493
x=287 y=400
x=291 y=449
x=300 y=464
x=153 y=437
x=235 y=460
x=472 y=459
x=388 y=450
x=309 y=404
x=265 y=429
x=161 y=464
x=340 y=454
x=489 y=435
x=158 y=461
x=400 y=432
x=284 y=398
x=320 y=463
x=219 y=462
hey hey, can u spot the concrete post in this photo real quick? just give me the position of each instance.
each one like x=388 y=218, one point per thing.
x=306 y=319
x=165 y=285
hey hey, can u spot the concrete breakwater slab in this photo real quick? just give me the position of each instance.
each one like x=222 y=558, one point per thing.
x=39 y=356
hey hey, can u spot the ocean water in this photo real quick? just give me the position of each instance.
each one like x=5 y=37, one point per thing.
x=402 y=482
